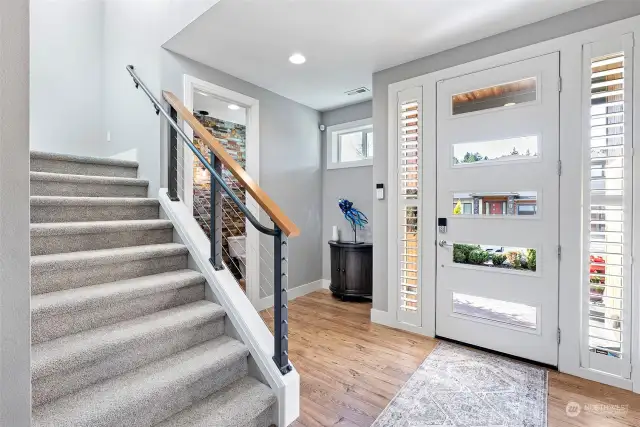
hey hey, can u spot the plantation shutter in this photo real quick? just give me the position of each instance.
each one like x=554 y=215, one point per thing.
x=409 y=204
x=606 y=338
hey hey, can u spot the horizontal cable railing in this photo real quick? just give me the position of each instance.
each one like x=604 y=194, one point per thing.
x=223 y=195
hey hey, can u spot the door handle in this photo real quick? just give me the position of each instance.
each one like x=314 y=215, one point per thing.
x=443 y=243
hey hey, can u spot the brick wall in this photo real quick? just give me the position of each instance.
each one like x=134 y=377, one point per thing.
x=233 y=138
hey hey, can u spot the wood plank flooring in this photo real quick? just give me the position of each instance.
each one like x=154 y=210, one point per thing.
x=350 y=369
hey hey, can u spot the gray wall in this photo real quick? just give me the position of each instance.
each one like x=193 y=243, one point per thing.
x=289 y=159
x=134 y=32
x=15 y=291
x=355 y=184
x=66 y=76
x=571 y=22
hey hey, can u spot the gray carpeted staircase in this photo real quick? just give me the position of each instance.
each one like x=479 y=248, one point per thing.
x=121 y=332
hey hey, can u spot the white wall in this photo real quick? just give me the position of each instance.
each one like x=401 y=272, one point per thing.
x=15 y=292
x=134 y=32
x=354 y=184
x=66 y=76
x=219 y=109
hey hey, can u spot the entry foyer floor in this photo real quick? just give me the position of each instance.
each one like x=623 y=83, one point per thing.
x=350 y=369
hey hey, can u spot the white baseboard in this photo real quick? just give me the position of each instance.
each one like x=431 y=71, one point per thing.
x=298 y=291
x=307 y=288
x=382 y=317
x=325 y=283
x=264 y=303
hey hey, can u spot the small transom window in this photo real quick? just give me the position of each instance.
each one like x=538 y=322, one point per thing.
x=350 y=145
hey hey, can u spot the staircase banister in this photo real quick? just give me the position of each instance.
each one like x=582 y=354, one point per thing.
x=288 y=227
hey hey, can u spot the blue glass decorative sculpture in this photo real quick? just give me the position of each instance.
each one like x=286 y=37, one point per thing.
x=355 y=218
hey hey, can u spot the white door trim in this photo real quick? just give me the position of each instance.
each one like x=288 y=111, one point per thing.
x=252 y=106
x=570 y=48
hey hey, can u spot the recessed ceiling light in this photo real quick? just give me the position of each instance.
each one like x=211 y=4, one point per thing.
x=233 y=107
x=297 y=58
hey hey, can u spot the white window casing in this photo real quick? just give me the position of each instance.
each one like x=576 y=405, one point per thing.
x=361 y=130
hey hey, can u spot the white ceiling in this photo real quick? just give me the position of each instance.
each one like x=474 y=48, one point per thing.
x=219 y=109
x=344 y=41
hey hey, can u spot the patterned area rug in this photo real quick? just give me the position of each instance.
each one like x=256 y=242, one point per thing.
x=461 y=387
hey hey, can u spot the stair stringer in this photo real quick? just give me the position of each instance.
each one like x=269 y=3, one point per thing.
x=243 y=321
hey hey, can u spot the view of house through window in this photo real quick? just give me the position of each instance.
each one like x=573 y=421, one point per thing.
x=496 y=203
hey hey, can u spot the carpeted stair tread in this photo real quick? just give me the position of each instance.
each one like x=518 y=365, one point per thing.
x=81 y=209
x=246 y=403
x=106 y=256
x=91 y=297
x=65 y=237
x=94 y=227
x=82 y=165
x=92 y=201
x=150 y=393
x=87 y=179
x=82 y=348
x=62 y=184
x=83 y=159
x=122 y=333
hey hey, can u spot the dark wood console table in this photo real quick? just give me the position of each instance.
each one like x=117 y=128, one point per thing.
x=351 y=269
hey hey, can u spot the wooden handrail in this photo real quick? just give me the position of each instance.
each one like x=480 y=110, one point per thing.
x=264 y=201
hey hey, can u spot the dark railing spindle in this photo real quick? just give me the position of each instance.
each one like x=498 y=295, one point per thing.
x=173 y=159
x=280 y=308
x=216 y=216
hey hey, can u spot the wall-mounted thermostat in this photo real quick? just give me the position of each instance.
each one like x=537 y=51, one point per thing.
x=380 y=191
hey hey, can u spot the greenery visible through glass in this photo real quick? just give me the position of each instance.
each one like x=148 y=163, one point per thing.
x=495 y=256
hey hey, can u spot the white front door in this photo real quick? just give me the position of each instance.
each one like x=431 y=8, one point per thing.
x=498 y=189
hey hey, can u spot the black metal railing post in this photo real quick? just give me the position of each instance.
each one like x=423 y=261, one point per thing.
x=280 y=300
x=216 y=216
x=173 y=159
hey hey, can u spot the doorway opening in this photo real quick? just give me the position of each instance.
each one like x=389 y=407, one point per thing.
x=232 y=118
x=227 y=123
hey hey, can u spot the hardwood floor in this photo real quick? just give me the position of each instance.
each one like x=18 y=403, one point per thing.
x=350 y=369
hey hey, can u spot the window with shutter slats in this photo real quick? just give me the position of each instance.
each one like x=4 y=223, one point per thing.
x=607 y=220
x=409 y=139
x=409 y=149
